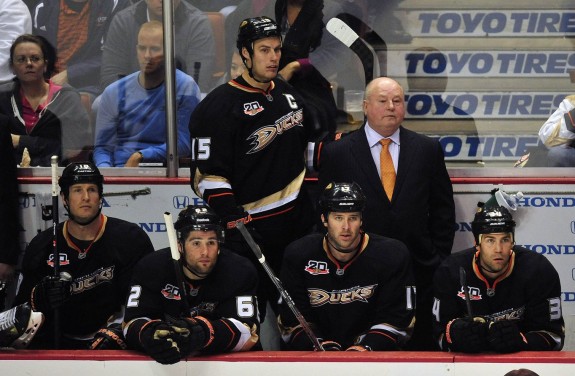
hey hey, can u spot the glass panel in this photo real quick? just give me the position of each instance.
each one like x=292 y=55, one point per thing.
x=482 y=77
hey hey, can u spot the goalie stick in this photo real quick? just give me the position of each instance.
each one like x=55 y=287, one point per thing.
x=262 y=259
x=172 y=238
x=367 y=55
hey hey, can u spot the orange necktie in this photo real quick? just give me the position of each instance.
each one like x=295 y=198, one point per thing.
x=387 y=169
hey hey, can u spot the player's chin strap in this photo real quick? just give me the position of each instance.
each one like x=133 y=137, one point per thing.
x=255 y=79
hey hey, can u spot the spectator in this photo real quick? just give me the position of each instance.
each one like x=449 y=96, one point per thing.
x=15 y=20
x=410 y=194
x=354 y=289
x=249 y=138
x=97 y=253
x=558 y=134
x=521 y=372
x=131 y=120
x=216 y=311
x=236 y=68
x=9 y=213
x=509 y=308
x=77 y=29
x=194 y=41
x=301 y=23
x=45 y=118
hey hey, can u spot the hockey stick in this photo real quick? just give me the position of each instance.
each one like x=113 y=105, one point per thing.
x=172 y=238
x=55 y=252
x=463 y=282
x=262 y=259
x=367 y=55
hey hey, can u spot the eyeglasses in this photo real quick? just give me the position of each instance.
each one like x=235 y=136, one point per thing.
x=35 y=59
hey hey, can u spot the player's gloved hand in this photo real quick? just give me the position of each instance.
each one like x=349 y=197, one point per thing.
x=232 y=221
x=463 y=335
x=234 y=239
x=110 y=338
x=191 y=334
x=358 y=348
x=330 y=345
x=156 y=340
x=505 y=337
x=52 y=292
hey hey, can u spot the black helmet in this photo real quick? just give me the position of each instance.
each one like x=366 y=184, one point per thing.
x=342 y=197
x=491 y=219
x=81 y=173
x=252 y=29
x=198 y=218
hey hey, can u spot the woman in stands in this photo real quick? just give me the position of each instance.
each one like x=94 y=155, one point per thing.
x=45 y=119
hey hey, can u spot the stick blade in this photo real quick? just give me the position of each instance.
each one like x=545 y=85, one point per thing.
x=341 y=31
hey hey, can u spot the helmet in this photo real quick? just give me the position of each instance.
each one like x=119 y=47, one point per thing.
x=491 y=219
x=342 y=197
x=198 y=218
x=252 y=29
x=81 y=173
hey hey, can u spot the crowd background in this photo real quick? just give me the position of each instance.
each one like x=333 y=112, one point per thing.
x=484 y=91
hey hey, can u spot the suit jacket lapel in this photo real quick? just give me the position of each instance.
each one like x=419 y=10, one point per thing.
x=406 y=156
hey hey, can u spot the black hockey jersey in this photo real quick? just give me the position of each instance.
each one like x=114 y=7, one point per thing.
x=248 y=156
x=355 y=303
x=529 y=293
x=100 y=275
x=226 y=297
x=250 y=143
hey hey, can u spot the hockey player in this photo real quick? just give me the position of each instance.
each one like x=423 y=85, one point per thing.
x=355 y=289
x=514 y=293
x=217 y=311
x=249 y=137
x=97 y=255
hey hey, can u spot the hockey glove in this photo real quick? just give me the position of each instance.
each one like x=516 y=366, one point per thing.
x=358 y=348
x=235 y=240
x=329 y=345
x=232 y=221
x=110 y=338
x=467 y=336
x=505 y=337
x=191 y=334
x=156 y=340
x=296 y=338
x=50 y=293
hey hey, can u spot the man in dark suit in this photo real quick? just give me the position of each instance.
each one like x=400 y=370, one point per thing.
x=421 y=211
